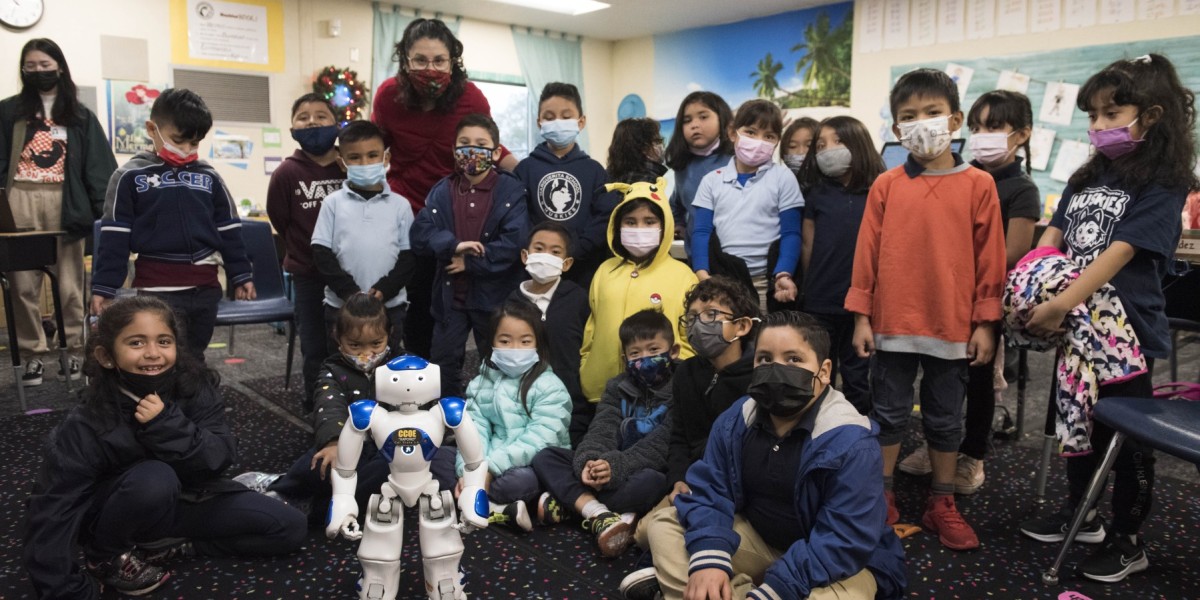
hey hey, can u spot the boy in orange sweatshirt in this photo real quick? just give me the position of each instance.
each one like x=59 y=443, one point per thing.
x=928 y=275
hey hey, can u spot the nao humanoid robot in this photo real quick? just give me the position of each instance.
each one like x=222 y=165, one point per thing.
x=408 y=437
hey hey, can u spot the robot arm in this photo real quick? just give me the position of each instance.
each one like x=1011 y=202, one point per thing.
x=343 y=510
x=473 y=505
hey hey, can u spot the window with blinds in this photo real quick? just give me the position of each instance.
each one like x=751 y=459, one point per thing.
x=230 y=96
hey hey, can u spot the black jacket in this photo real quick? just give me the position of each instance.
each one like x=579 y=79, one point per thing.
x=89 y=164
x=565 y=319
x=339 y=384
x=191 y=436
x=701 y=394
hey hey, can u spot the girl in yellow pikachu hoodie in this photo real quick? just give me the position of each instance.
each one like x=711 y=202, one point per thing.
x=642 y=275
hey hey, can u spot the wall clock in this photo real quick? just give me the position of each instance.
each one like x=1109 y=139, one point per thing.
x=21 y=14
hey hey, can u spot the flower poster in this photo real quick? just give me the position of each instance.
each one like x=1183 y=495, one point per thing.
x=128 y=110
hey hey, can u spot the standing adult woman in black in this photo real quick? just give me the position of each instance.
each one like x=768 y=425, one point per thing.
x=56 y=162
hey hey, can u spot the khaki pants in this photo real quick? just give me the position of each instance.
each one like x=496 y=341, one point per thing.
x=761 y=286
x=750 y=562
x=39 y=206
x=641 y=535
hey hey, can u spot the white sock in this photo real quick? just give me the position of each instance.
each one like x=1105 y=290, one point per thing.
x=593 y=508
x=629 y=518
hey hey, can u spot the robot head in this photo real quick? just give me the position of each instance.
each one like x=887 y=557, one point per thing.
x=407 y=382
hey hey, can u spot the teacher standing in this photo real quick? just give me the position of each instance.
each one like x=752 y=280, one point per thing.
x=56 y=163
x=418 y=110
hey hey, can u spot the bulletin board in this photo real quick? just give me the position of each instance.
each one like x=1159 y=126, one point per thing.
x=228 y=34
x=1068 y=66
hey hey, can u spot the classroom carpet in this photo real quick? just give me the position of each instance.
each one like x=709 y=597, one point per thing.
x=561 y=562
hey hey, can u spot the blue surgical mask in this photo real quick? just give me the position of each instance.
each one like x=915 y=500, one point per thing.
x=560 y=132
x=365 y=176
x=514 y=362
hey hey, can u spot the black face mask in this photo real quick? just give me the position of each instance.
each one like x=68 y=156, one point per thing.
x=141 y=386
x=783 y=391
x=44 y=81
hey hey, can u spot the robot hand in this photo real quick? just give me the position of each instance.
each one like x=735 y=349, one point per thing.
x=473 y=509
x=343 y=518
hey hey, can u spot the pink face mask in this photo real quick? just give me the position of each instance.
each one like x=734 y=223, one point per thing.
x=752 y=152
x=1116 y=142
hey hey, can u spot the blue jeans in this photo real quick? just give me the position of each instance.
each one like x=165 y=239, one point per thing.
x=943 y=388
x=302 y=481
x=640 y=493
x=309 y=298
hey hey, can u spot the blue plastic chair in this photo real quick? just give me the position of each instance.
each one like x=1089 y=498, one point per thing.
x=272 y=304
x=1167 y=425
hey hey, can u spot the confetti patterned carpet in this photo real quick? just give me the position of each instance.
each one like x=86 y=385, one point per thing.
x=560 y=563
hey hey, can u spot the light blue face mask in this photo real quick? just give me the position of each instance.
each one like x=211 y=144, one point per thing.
x=560 y=132
x=514 y=362
x=365 y=176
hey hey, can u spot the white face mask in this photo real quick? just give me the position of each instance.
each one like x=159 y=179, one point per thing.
x=641 y=241
x=514 y=362
x=544 y=268
x=834 y=162
x=990 y=149
x=926 y=139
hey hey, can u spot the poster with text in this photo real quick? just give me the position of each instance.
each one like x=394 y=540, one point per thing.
x=1059 y=103
x=798 y=59
x=229 y=31
x=128 y=110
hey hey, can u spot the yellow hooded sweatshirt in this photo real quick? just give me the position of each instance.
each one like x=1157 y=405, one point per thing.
x=620 y=288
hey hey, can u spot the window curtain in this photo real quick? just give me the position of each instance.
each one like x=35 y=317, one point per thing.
x=546 y=57
x=389 y=28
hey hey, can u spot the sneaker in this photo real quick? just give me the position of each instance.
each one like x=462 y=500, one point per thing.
x=641 y=584
x=166 y=550
x=549 y=510
x=1117 y=559
x=1053 y=528
x=33 y=373
x=613 y=535
x=893 y=515
x=257 y=480
x=942 y=517
x=72 y=367
x=515 y=515
x=129 y=575
x=969 y=476
x=917 y=463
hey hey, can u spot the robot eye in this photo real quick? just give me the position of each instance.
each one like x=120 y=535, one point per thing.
x=421 y=378
x=395 y=379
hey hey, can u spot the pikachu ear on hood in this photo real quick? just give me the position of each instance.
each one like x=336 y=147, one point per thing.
x=640 y=189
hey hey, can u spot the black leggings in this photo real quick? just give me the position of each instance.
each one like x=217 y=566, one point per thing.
x=1134 y=485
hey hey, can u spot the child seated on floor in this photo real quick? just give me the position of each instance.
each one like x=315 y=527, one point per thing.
x=519 y=408
x=361 y=330
x=619 y=466
x=788 y=500
x=135 y=474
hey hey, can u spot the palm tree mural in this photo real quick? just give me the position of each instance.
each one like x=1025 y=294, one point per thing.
x=765 y=76
x=823 y=64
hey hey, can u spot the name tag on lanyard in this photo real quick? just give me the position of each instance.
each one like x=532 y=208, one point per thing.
x=58 y=132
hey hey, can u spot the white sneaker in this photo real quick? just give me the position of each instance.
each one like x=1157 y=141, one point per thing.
x=969 y=476
x=917 y=463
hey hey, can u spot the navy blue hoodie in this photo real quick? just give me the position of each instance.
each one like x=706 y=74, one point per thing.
x=569 y=190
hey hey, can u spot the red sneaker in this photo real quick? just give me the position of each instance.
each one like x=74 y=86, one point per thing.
x=942 y=517
x=893 y=515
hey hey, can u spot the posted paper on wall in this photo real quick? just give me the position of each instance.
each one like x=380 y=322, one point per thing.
x=961 y=75
x=1080 y=13
x=1071 y=156
x=1013 y=82
x=1041 y=143
x=1058 y=105
x=1117 y=11
x=924 y=23
x=870 y=34
x=230 y=31
x=981 y=19
x=895 y=24
x=1046 y=15
x=1189 y=7
x=951 y=19
x=1013 y=17
x=1155 y=9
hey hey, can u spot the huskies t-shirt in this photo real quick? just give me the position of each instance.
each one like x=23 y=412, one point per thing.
x=1104 y=212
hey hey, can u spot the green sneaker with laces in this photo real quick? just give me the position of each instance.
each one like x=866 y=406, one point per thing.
x=613 y=534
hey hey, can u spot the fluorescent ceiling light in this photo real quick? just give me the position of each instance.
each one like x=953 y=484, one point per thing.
x=566 y=7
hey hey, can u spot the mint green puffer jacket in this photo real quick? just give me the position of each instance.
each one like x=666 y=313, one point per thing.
x=511 y=436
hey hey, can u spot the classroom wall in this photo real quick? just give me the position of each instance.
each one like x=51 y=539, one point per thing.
x=77 y=25
x=871 y=75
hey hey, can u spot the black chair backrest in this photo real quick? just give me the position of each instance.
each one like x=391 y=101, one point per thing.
x=260 y=249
